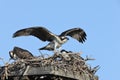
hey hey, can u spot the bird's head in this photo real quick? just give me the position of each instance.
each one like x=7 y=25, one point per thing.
x=12 y=55
x=64 y=39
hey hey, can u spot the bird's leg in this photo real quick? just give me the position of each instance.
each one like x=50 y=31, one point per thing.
x=55 y=45
x=59 y=49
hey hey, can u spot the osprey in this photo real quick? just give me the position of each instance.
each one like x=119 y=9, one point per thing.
x=55 y=40
x=19 y=53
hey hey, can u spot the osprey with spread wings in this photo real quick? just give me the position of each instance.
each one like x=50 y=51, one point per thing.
x=56 y=41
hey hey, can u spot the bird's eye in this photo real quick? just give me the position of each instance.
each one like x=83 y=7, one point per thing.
x=62 y=37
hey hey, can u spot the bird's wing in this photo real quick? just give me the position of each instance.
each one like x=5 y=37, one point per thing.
x=77 y=33
x=22 y=53
x=39 y=32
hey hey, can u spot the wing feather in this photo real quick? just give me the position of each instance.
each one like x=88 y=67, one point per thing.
x=22 y=53
x=76 y=33
x=39 y=32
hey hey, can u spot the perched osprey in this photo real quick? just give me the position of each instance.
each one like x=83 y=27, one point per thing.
x=55 y=40
x=19 y=53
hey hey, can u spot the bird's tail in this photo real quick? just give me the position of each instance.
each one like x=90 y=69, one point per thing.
x=43 y=48
x=46 y=48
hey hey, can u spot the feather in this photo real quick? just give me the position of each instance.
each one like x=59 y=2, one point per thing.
x=19 y=53
x=39 y=32
x=45 y=35
x=76 y=33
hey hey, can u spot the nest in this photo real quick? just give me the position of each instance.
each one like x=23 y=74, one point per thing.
x=66 y=62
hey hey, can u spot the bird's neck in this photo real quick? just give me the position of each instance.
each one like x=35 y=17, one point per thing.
x=61 y=41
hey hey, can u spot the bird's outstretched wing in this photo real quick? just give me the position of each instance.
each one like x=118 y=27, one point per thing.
x=77 y=33
x=39 y=32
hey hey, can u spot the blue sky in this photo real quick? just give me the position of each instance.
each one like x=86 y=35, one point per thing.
x=99 y=18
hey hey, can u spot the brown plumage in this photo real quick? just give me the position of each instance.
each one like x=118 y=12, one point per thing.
x=76 y=33
x=19 y=53
x=55 y=40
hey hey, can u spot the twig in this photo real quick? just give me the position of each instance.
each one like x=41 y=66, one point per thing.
x=88 y=58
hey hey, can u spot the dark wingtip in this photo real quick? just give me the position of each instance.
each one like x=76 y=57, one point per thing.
x=84 y=38
x=41 y=48
x=13 y=36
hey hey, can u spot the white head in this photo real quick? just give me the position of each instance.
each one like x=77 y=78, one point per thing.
x=64 y=39
x=13 y=55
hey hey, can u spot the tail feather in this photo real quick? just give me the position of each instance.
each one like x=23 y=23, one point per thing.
x=46 y=48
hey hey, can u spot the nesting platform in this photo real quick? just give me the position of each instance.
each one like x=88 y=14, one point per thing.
x=69 y=66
